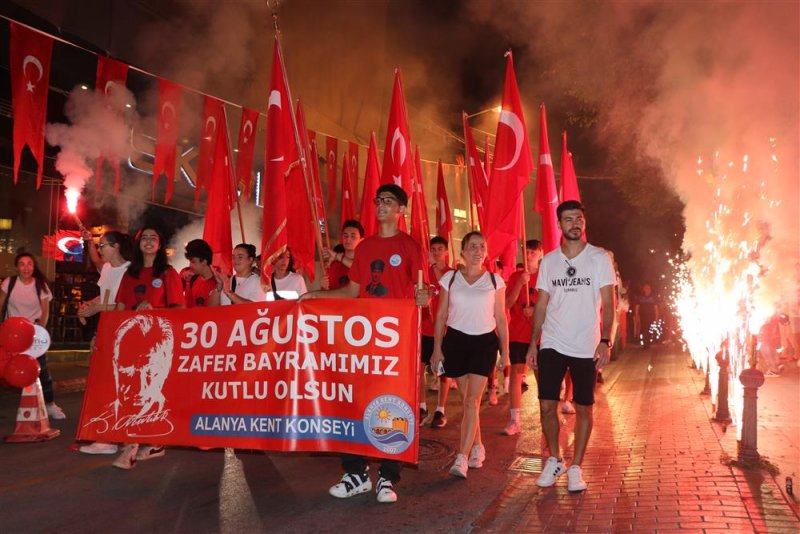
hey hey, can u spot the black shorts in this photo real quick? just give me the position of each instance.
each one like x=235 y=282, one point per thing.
x=468 y=354
x=553 y=366
x=426 y=349
x=518 y=352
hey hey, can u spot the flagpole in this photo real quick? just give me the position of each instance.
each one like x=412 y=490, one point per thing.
x=232 y=174
x=469 y=175
x=310 y=190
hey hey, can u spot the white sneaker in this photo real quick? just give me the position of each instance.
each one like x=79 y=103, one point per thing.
x=385 y=492
x=575 y=480
x=460 y=466
x=148 y=452
x=99 y=448
x=553 y=469
x=476 y=456
x=351 y=484
x=567 y=407
x=493 y=396
x=127 y=459
x=512 y=428
x=55 y=412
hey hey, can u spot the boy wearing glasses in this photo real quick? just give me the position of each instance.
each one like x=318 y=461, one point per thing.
x=390 y=259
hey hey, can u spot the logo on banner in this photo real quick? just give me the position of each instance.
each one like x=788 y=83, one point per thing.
x=389 y=424
x=141 y=361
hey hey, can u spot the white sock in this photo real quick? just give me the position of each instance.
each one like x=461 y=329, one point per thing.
x=440 y=409
x=423 y=406
x=515 y=415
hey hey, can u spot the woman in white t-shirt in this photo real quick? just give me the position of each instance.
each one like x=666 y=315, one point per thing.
x=28 y=295
x=286 y=284
x=470 y=327
x=245 y=284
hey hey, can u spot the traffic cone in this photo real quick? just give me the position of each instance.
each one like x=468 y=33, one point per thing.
x=32 y=421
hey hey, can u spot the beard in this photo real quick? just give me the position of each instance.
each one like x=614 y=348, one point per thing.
x=573 y=235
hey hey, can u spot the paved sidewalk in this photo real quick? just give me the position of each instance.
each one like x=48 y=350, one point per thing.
x=653 y=465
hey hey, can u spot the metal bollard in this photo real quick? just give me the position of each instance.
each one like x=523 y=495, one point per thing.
x=751 y=379
x=723 y=414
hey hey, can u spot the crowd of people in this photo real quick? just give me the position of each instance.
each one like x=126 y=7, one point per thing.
x=556 y=314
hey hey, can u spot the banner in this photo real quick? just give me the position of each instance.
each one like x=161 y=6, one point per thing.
x=321 y=375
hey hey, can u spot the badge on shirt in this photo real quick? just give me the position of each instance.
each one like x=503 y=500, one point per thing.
x=395 y=260
x=156 y=283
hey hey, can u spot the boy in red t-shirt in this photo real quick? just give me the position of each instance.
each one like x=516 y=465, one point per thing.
x=385 y=266
x=520 y=325
x=202 y=289
x=339 y=270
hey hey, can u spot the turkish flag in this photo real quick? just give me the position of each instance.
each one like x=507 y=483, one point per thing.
x=546 y=193
x=444 y=218
x=169 y=106
x=348 y=197
x=352 y=158
x=569 y=181
x=219 y=201
x=511 y=169
x=331 y=167
x=64 y=245
x=314 y=156
x=31 y=52
x=371 y=184
x=419 y=209
x=478 y=179
x=487 y=156
x=213 y=118
x=300 y=218
x=397 y=164
x=281 y=151
x=246 y=148
x=110 y=73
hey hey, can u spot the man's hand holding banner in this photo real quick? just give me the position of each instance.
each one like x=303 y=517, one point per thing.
x=322 y=375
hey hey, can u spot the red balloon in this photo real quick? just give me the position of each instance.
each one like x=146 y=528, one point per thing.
x=21 y=371
x=16 y=334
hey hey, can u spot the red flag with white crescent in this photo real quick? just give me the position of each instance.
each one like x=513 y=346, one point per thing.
x=352 y=158
x=245 y=149
x=210 y=126
x=511 y=169
x=348 y=205
x=569 y=180
x=280 y=153
x=487 y=156
x=546 y=193
x=331 y=168
x=169 y=106
x=111 y=74
x=419 y=209
x=299 y=215
x=397 y=154
x=31 y=52
x=479 y=180
x=314 y=156
x=220 y=200
x=444 y=218
x=372 y=180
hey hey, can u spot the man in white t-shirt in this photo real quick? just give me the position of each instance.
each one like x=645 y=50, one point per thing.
x=575 y=282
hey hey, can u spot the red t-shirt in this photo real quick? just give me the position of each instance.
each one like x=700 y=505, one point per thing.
x=338 y=275
x=427 y=325
x=198 y=291
x=387 y=266
x=161 y=292
x=520 y=328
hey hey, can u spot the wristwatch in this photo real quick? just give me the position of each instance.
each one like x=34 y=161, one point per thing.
x=607 y=342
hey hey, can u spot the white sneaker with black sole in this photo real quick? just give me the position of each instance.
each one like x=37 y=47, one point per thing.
x=575 y=480
x=351 y=484
x=553 y=468
x=148 y=452
x=384 y=491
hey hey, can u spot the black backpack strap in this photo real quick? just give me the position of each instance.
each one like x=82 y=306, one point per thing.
x=275 y=289
x=11 y=282
x=494 y=282
x=453 y=279
x=233 y=283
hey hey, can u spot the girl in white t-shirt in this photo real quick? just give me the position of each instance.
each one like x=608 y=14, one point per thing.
x=245 y=284
x=286 y=284
x=470 y=327
x=28 y=295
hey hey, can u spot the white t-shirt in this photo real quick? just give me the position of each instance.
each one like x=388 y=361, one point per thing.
x=23 y=300
x=290 y=287
x=110 y=277
x=572 y=321
x=248 y=288
x=470 y=308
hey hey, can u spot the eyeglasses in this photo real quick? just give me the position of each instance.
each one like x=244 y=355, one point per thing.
x=101 y=245
x=386 y=201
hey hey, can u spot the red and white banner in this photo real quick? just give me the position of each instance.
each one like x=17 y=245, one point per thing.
x=322 y=375
x=246 y=148
x=31 y=52
x=110 y=73
x=169 y=106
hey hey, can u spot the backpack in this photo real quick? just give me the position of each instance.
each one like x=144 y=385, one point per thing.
x=11 y=283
